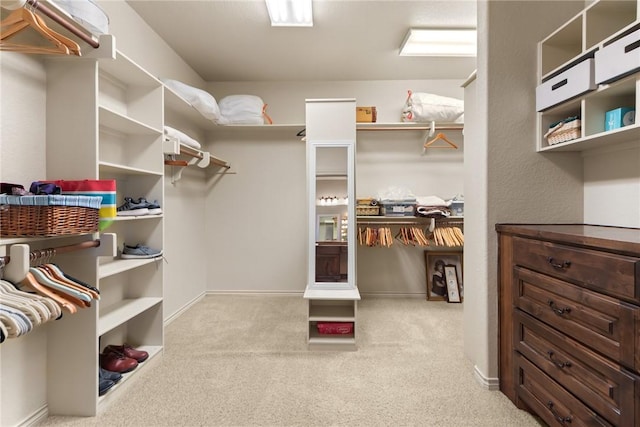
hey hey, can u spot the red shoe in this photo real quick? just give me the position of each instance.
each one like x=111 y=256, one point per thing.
x=125 y=349
x=117 y=362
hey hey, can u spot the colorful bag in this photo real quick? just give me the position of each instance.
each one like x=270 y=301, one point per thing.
x=106 y=188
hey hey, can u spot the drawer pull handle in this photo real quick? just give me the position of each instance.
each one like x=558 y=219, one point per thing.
x=559 y=266
x=632 y=46
x=557 y=310
x=556 y=362
x=559 y=84
x=561 y=420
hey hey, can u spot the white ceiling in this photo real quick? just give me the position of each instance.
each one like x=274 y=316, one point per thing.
x=232 y=40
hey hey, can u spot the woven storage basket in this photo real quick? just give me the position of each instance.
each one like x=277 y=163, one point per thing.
x=564 y=132
x=367 y=210
x=49 y=220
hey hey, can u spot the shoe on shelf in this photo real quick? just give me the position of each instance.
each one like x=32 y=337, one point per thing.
x=117 y=362
x=154 y=208
x=103 y=374
x=131 y=208
x=139 y=252
x=139 y=355
x=104 y=386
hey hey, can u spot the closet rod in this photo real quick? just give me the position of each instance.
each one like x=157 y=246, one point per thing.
x=60 y=249
x=63 y=21
x=198 y=155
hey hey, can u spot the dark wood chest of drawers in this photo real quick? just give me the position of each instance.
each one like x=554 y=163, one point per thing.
x=569 y=315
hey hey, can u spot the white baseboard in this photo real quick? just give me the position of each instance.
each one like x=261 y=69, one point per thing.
x=488 y=383
x=420 y=295
x=257 y=293
x=36 y=418
x=184 y=308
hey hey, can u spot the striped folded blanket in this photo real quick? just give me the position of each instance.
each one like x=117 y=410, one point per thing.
x=52 y=200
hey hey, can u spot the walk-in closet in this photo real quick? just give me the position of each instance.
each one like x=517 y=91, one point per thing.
x=196 y=198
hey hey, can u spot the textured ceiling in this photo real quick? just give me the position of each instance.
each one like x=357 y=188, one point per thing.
x=350 y=40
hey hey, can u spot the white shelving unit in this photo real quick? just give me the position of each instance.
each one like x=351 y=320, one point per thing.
x=104 y=121
x=331 y=306
x=331 y=292
x=596 y=27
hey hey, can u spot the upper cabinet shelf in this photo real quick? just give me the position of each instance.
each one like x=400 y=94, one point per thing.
x=581 y=35
x=587 y=68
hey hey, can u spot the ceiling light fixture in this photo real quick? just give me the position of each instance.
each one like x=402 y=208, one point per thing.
x=439 y=42
x=290 y=13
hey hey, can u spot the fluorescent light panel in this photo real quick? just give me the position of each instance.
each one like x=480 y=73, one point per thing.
x=439 y=42
x=290 y=13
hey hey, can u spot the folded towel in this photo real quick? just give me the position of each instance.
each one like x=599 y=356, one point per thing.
x=182 y=137
x=430 y=201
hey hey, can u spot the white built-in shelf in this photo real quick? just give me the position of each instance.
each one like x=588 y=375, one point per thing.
x=121 y=265
x=117 y=314
x=332 y=294
x=601 y=140
x=124 y=124
x=401 y=126
x=417 y=219
x=331 y=313
x=137 y=217
x=125 y=70
x=315 y=338
x=114 y=168
x=112 y=394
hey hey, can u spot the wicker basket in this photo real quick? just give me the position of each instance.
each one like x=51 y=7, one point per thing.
x=564 y=132
x=367 y=210
x=47 y=220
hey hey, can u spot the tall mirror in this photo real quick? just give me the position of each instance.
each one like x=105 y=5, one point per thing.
x=332 y=204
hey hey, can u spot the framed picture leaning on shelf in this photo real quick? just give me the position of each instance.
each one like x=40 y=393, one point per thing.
x=439 y=265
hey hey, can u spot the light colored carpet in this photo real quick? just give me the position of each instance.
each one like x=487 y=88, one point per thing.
x=243 y=361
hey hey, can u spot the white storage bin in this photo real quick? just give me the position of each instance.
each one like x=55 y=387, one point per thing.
x=618 y=59
x=572 y=82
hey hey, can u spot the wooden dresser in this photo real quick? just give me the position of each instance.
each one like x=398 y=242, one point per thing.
x=569 y=314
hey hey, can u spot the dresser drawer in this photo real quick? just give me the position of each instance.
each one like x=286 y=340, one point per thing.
x=604 y=386
x=615 y=275
x=551 y=402
x=600 y=322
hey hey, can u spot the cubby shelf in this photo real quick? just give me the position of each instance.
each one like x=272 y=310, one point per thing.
x=597 y=27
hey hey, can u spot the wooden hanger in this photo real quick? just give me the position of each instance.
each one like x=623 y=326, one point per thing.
x=22 y=18
x=438 y=137
x=73 y=47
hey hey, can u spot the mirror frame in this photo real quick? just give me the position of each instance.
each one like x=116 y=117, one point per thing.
x=312 y=147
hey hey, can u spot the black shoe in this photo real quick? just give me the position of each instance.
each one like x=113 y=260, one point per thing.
x=104 y=386
x=109 y=375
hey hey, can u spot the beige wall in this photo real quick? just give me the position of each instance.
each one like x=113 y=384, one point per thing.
x=516 y=183
x=257 y=217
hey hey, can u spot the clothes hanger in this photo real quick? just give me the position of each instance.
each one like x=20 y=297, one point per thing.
x=30 y=282
x=78 y=298
x=440 y=136
x=46 y=311
x=58 y=275
x=73 y=47
x=18 y=21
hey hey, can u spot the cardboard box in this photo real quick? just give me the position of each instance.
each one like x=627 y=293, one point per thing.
x=366 y=114
x=618 y=118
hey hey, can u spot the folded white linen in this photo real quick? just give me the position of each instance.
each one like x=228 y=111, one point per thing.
x=430 y=201
x=182 y=137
